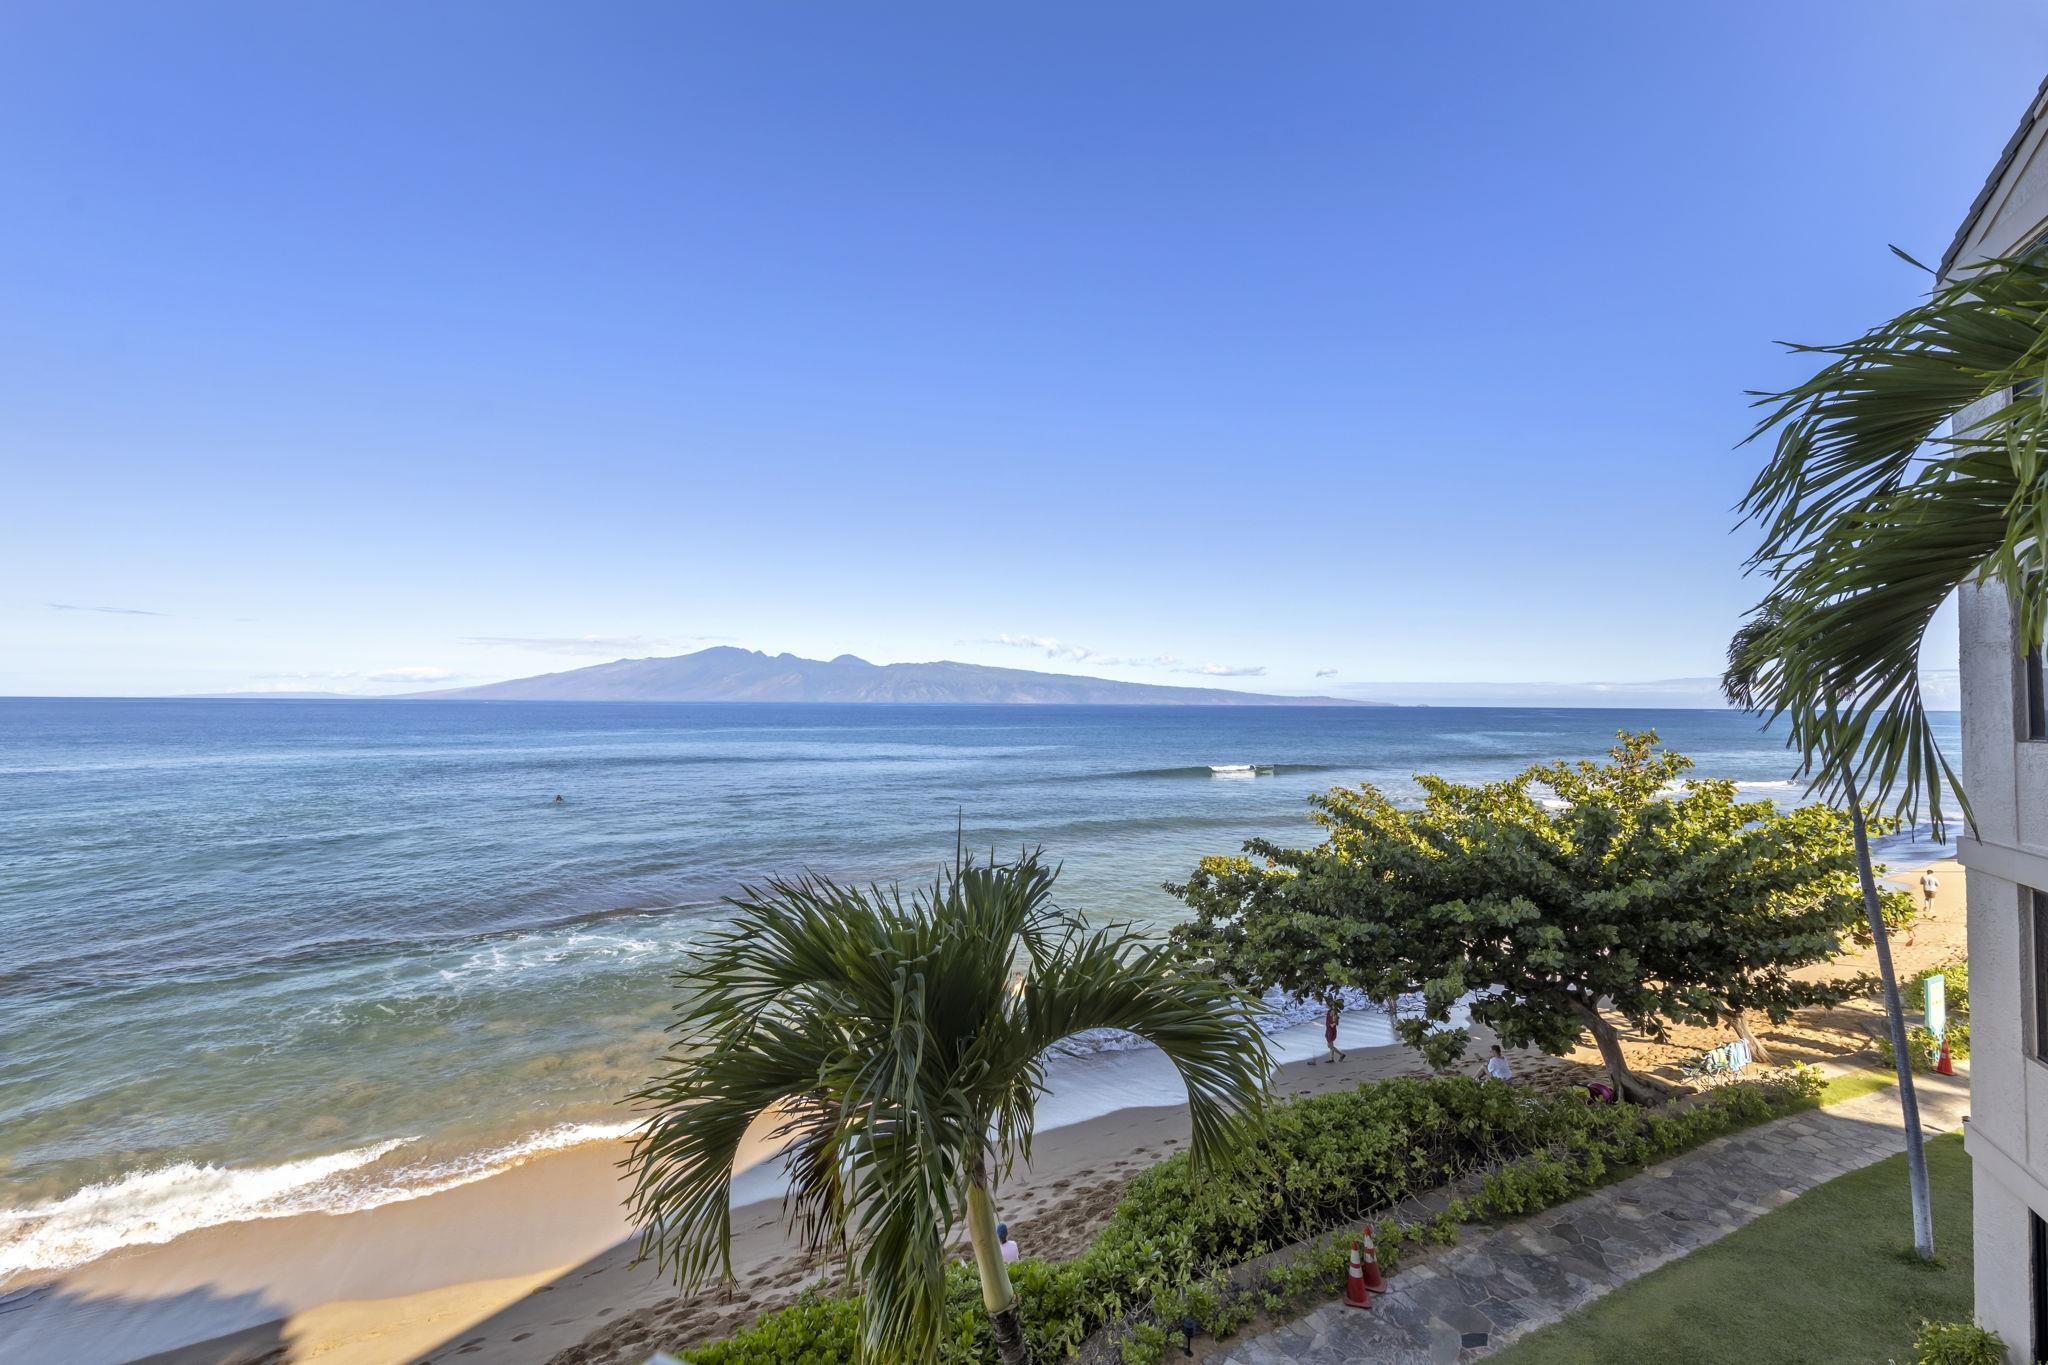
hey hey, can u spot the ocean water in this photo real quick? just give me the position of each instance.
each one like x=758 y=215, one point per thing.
x=259 y=958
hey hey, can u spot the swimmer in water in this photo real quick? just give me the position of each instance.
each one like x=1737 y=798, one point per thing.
x=558 y=800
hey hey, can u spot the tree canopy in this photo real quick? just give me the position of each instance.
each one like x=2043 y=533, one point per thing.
x=1542 y=900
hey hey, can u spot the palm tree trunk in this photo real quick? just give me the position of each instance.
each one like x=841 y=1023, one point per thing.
x=1895 y=1018
x=996 y=1294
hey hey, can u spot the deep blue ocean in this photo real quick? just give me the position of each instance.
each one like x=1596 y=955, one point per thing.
x=264 y=956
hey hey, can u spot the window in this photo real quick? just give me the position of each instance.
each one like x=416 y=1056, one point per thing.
x=2036 y=720
x=2038 y=904
x=2037 y=1241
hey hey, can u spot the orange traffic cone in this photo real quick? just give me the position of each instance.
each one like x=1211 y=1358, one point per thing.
x=1374 y=1281
x=1355 y=1293
x=1944 y=1065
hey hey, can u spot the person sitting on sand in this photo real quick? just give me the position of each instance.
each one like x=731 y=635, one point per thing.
x=1497 y=1067
x=1329 y=1038
x=1009 y=1245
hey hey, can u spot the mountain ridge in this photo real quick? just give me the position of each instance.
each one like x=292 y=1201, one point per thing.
x=726 y=673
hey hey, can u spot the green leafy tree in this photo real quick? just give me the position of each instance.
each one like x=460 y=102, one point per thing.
x=1551 y=900
x=897 y=1046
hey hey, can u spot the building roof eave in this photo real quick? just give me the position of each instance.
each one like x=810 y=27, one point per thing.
x=1991 y=183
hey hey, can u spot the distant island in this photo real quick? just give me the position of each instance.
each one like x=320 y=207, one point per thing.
x=724 y=673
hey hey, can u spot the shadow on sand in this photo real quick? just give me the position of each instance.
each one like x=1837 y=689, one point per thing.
x=51 y=1323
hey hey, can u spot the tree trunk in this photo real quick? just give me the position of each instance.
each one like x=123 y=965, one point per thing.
x=1627 y=1085
x=996 y=1294
x=1895 y=1017
x=1756 y=1048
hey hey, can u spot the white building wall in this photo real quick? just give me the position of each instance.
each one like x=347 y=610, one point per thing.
x=2007 y=777
x=1999 y=1109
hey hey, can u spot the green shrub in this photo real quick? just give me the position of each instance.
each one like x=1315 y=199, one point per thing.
x=815 y=1330
x=1318 y=1161
x=1925 y=1047
x=1957 y=1343
x=1956 y=988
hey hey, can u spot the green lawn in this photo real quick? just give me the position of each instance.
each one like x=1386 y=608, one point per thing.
x=1849 y=1085
x=1827 y=1278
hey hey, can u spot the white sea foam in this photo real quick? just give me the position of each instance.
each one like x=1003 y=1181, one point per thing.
x=582 y=949
x=154 y=1206
x=157 y=1205
x=150 y=1207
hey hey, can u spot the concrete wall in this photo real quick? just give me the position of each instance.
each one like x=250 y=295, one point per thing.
x=2007 y=775
x=2000 y=1087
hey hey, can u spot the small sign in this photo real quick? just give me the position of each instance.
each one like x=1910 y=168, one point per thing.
x=1937 y=1005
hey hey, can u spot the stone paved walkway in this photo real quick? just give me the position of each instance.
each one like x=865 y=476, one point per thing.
x=1482 y=1294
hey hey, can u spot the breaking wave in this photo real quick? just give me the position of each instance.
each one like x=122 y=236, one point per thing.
x=154 y=1206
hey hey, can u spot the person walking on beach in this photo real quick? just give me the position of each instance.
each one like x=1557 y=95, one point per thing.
x=1009 y=1245
x=1497 y=1067
x=1929 y=884
x=1329 y=1038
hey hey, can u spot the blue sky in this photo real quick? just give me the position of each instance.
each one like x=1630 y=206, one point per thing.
x=360 y=347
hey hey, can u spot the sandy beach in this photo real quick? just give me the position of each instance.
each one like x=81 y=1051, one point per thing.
x=537 y=1264
x=527 y=1264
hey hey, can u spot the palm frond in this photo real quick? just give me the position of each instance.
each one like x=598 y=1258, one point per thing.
x=894 y=1046
x=1873 y=516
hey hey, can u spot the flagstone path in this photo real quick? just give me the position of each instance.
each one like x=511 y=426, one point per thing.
x=1477 y=1297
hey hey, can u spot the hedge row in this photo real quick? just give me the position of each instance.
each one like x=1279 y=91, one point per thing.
x=1318 y=1161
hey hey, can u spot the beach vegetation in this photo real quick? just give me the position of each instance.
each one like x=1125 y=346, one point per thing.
x=1958 y=1343
x=1923 y=1044
x=895 y=1045
x=1545 y=906
x=1173 y=1256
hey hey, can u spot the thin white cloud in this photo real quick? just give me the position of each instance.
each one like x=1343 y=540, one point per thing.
x=104 y=611
x=590 y=646
x=425 y=673
x=1067 y=651
x=413 y=674
x=1078 y=654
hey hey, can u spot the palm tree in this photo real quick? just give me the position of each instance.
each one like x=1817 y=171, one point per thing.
x=898 y=1047
x=1873 y=516
x=1747 y=659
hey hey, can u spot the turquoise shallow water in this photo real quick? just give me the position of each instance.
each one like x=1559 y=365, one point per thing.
x=259 y=957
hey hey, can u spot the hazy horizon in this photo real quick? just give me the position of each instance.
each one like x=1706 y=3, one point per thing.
x=1703 y=693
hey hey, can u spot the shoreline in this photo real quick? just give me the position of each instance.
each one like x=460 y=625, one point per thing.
x=530 y=1261
x=543 y=1250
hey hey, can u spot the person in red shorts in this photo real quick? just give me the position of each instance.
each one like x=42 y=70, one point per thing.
x=1329 y=1038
